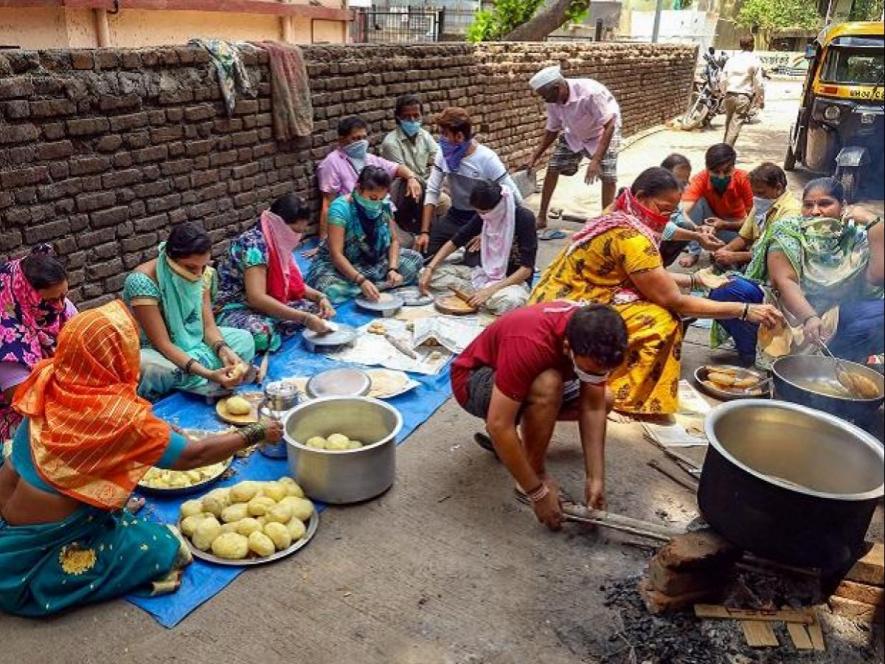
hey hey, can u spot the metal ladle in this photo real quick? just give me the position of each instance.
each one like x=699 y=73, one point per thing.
x=854 y=384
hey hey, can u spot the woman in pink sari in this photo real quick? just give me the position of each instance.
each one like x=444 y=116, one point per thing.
x=261 y=289
x=33 y=308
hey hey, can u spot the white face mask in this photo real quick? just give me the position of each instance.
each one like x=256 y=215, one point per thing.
x=762 y=205
x=585 y=377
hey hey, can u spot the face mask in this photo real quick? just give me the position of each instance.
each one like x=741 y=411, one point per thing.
x=585 y=377
x=655 y=218
x=453 y=153
x=762 y=205
x=372 y=208
x=55 y=306
x=410 y=127
x=357 y=149
x=720 y=182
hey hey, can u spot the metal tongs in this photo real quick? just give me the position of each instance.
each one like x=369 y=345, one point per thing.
x=581 y=514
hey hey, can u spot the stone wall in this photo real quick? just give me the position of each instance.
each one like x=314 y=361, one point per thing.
x=102 y=150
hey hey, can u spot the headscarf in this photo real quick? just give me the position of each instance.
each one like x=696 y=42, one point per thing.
x=29 y=326
x=181 y=296
x=828 y=255
x=92 y=437
x=284 y=280
x=496 y=241
x=626 y=212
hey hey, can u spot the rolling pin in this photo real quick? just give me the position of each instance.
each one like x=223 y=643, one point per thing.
x=400 y=346
x=461 y=295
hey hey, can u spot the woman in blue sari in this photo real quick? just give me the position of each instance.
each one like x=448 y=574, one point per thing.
x=84 y=443
x=362 y=255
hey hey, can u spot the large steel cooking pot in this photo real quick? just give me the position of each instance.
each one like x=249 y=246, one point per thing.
x=790 y=483
x=810 y=380
x=346 y=476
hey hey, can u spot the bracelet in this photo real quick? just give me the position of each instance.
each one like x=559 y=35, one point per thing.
x=187 y=367
x=427 y=233
x=692 y=282
x=808 y=318
x=393 y=269
x=538 y=494
x=218 y=345
x=253 y=433
x=745 y=311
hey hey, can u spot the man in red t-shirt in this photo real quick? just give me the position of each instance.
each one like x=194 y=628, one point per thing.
x=718 y=199
x=532 y=367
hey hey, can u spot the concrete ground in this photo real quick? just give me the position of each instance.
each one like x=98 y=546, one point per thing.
x=446 y=568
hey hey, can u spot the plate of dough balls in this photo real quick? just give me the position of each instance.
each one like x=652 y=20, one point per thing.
x=166 y=482
x=240 y=409
x=250 y=523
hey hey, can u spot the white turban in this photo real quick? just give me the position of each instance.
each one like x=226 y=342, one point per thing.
x=546 y=76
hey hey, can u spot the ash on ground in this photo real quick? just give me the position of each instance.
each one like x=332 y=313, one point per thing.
x=639 y=637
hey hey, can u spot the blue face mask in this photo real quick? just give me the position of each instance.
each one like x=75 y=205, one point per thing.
x=410 y=127
x=357 y=150
x=453 y=153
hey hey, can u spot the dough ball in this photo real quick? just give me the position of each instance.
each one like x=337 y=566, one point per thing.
x=191 y=508
x=292 y=488
x=238 y=406
x=354 y=445
x=229 y=527
x=296 y=529
x=274 y=490
x=281 y=513
x=244 y=491
x=302 y=508
x=215 y=501
x=238 y=371
x=260 y=505
x=248 y=526
x=261 y=520
x=189 y=524
x=231 y=546
x=235 y=512
x=316 y=442
x=279 y=534
x=206 y=532
x=338 y=440
x=261 y=544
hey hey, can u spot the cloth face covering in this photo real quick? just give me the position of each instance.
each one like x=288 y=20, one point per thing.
x=720 y=182
x=453 y=153
x=496 y=241
x=284 y=280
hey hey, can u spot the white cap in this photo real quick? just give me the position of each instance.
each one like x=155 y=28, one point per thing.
x=546 y=76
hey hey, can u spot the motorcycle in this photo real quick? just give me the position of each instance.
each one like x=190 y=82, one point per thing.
x=707 y=97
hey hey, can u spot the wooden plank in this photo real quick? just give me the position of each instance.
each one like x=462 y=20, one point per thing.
x=799 y=636
x=815 y=631
x=717 y=611
x=759 y=634
x=871 y=568
x=858 y=611
x=861 y=592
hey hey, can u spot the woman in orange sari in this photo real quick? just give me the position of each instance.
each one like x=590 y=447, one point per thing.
x=84 y=443
x=615 y=260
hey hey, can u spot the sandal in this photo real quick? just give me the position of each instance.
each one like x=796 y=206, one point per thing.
x=485 y=443
x=550 y=234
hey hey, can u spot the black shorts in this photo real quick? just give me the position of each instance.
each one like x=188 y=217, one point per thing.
x=482 y=382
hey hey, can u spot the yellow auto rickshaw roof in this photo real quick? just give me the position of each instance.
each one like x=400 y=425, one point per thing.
x=851 y=29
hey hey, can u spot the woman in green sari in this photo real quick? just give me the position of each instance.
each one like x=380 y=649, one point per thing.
x=84 y=443
x=170 y=297
x=825 y=270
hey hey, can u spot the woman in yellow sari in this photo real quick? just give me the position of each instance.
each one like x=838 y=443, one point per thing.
x=615 y=260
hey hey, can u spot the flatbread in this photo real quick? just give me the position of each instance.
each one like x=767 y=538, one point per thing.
x=386 y=382
x=452 y=304
x=776 y=341
x=709 y=279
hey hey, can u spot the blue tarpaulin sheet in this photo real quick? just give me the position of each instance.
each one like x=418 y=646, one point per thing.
x=201 y=581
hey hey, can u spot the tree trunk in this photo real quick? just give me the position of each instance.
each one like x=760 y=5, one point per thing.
x=545 y=21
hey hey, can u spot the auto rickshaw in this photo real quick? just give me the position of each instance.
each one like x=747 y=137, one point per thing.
x=841 y=122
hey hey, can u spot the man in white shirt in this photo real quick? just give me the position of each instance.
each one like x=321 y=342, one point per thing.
x=742 y=83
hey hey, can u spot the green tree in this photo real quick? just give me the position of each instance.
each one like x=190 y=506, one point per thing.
x=866 y=10
x=765 y=17
x=525 y=20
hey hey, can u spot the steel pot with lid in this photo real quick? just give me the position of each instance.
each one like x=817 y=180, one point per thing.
x=343 y=476
x=790 y=483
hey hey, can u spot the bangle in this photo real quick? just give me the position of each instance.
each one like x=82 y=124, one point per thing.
x=218 y=345
x=808 y=318
x=691 y=281
x=253 y=433
x=538 y=494
x=393 y=269
x=745 y=311
x=427 y=233
x=187 y=367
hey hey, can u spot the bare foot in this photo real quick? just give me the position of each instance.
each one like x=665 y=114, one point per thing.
x=620 y=417
x=689 y=260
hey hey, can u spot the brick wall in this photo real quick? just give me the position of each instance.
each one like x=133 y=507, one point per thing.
x=101 y=151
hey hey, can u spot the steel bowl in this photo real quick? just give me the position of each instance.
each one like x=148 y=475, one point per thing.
x=790 y=483
x=342 y=382
x=810 y=380
x=347 y=476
